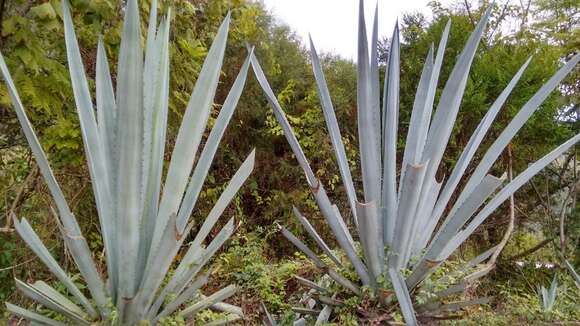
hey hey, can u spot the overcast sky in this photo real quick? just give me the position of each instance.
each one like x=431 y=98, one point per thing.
x=333 y=23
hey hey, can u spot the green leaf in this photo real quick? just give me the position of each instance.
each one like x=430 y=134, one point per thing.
x=43 y=11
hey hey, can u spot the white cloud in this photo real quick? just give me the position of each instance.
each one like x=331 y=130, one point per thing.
x=333 y=23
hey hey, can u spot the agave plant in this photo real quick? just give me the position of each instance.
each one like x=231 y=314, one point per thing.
x=548 y=297
x=397 y=218
x=143 y=225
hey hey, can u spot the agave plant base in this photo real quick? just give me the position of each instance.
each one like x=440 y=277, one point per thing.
x=338 y=290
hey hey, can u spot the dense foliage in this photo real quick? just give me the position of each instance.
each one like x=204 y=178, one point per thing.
x=33 y=44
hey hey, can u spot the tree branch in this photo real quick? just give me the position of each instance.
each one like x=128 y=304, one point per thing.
x=512 y=215
x=571 y=191
x=531 y=250
x=20 y=197
x=501 y=17
x=2 y=8
x=469 y=13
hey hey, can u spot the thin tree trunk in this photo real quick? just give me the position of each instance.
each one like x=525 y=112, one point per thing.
x=512 y=215
x=20 y=197
x=2 y=8
x=563 y=212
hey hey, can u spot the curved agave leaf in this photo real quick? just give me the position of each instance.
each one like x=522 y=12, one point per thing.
x=212 y=299
x=334 y=130
x=472 y=145
x=513 y=186
x=50 y=301
x=514 y=126
x=426 y=265
x=79 y=249
x=184 y=296
x=211 y=145
x=191 y=131
x=335 y=220
x=321 y=244
x=32 y=316
x=223 y=201
x=33 y=241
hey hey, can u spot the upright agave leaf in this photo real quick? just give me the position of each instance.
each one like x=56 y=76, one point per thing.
x=548 y=296
x=142 y=228
x=405 y=212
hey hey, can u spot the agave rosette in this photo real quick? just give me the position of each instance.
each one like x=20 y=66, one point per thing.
x=143 y=224
x=548 y=296
x=397 y=218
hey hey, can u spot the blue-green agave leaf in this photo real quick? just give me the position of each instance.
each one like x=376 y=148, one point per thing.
x=191 y=130
x=403 y=296
x=390 y=125
x=368 y=120
x=334 y=130
x=211 y=146
x=32 y=316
